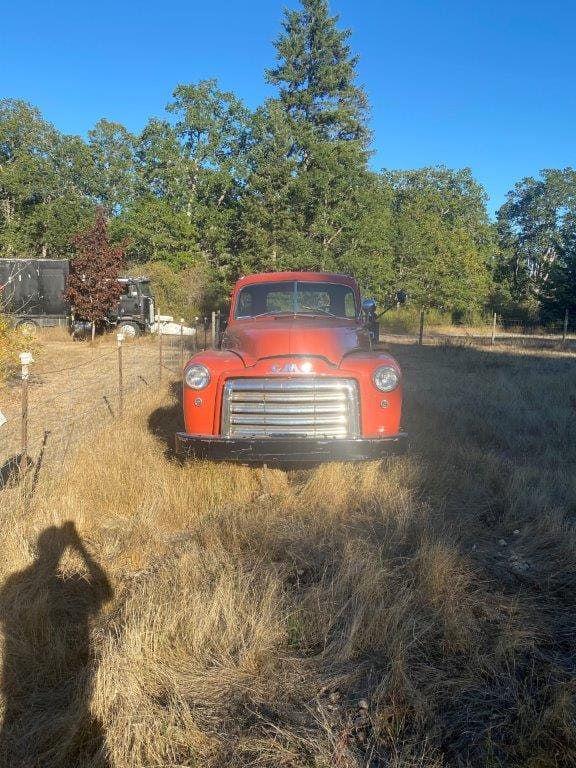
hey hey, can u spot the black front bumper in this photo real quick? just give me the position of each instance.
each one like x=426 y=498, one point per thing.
x=288 y=450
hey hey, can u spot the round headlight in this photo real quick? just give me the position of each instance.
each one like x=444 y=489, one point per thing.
x=197 y=376
x=386 y=378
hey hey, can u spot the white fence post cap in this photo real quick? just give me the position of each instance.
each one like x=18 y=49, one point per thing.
x=26 y=358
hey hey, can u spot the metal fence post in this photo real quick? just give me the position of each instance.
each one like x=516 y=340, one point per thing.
x=120 y=337
x=159 y=347
x=25 y=361
x=421 y=333
x=565 y=331
x=181 y=343
x=493 y=338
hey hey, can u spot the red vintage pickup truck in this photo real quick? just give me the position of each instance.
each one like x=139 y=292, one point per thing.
x=296 y=379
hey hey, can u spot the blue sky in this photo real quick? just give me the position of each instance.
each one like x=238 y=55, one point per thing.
x=489 y=85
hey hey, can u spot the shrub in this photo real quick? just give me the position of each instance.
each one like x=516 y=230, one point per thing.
x=180 y=293
x=12 y=342
x=407 y=319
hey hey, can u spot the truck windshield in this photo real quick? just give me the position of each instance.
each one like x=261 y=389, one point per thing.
x=296 y=297
x=145 y=288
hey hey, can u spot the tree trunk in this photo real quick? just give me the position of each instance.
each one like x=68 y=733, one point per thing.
x=7 y=211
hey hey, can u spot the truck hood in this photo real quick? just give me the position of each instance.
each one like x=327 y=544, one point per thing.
x=330 y=338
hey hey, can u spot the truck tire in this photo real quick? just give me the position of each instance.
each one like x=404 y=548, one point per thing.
x=129 y=329
x=28 y=326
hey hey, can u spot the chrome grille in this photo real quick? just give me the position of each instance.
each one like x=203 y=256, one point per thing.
x=302 y=407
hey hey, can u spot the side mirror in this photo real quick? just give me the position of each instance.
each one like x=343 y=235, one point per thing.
x=370 y=320
x=369 y=306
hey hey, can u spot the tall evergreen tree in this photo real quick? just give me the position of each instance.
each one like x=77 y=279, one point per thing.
x=316 y=75
x=326 y=115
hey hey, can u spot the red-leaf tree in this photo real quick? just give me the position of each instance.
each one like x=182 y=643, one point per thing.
x=93 y=289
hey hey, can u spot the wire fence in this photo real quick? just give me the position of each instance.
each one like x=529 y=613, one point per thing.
x=48 y=408
x=520 y=332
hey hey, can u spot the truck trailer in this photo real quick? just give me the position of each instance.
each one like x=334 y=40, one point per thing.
x=32 y=291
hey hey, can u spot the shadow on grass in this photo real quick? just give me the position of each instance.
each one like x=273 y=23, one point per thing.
x=47 y=663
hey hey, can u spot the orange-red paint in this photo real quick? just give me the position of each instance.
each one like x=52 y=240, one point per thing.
x=260 y=347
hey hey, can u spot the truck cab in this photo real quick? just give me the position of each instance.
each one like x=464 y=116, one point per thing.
x=296 y=379
x=135 y=307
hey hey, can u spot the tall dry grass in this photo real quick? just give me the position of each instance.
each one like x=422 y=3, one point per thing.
x=12 y=341
x=414 y=614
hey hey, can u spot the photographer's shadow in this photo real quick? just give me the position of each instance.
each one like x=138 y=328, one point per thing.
x=48 y=664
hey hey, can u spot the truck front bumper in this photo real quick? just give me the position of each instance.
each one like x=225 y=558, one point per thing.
x=288 y=450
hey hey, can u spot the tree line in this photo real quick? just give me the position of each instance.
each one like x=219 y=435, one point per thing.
x=214 y=190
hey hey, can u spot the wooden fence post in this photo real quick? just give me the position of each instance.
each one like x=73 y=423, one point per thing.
x=25 y=361
x=213 y=334
x=493 y=338
x=565 y=331
x=421 y=333
x=120 y=337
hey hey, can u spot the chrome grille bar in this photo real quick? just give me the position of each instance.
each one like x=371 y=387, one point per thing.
x=303 y=407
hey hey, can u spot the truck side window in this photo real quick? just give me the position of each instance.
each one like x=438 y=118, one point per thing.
x=349 y=305
x=244 y=304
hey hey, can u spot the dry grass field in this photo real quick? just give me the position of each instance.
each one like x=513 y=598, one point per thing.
x=420 y=613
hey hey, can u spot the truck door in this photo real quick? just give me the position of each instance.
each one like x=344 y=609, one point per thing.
x=129 y=300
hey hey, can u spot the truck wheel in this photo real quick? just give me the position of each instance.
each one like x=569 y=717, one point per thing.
x=130 y=330
x=29 y=327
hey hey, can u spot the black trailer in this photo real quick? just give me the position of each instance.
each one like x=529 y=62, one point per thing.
x=32 y=291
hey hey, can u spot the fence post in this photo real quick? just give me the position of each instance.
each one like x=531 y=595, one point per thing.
x=181 y=343
x=213 y=344
x=195 y=338
x=494 y=319
x=565 y=331
x=421 y=333
x=159 y=347
x=205 y=324
x=25 y=361
x=120 y=337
